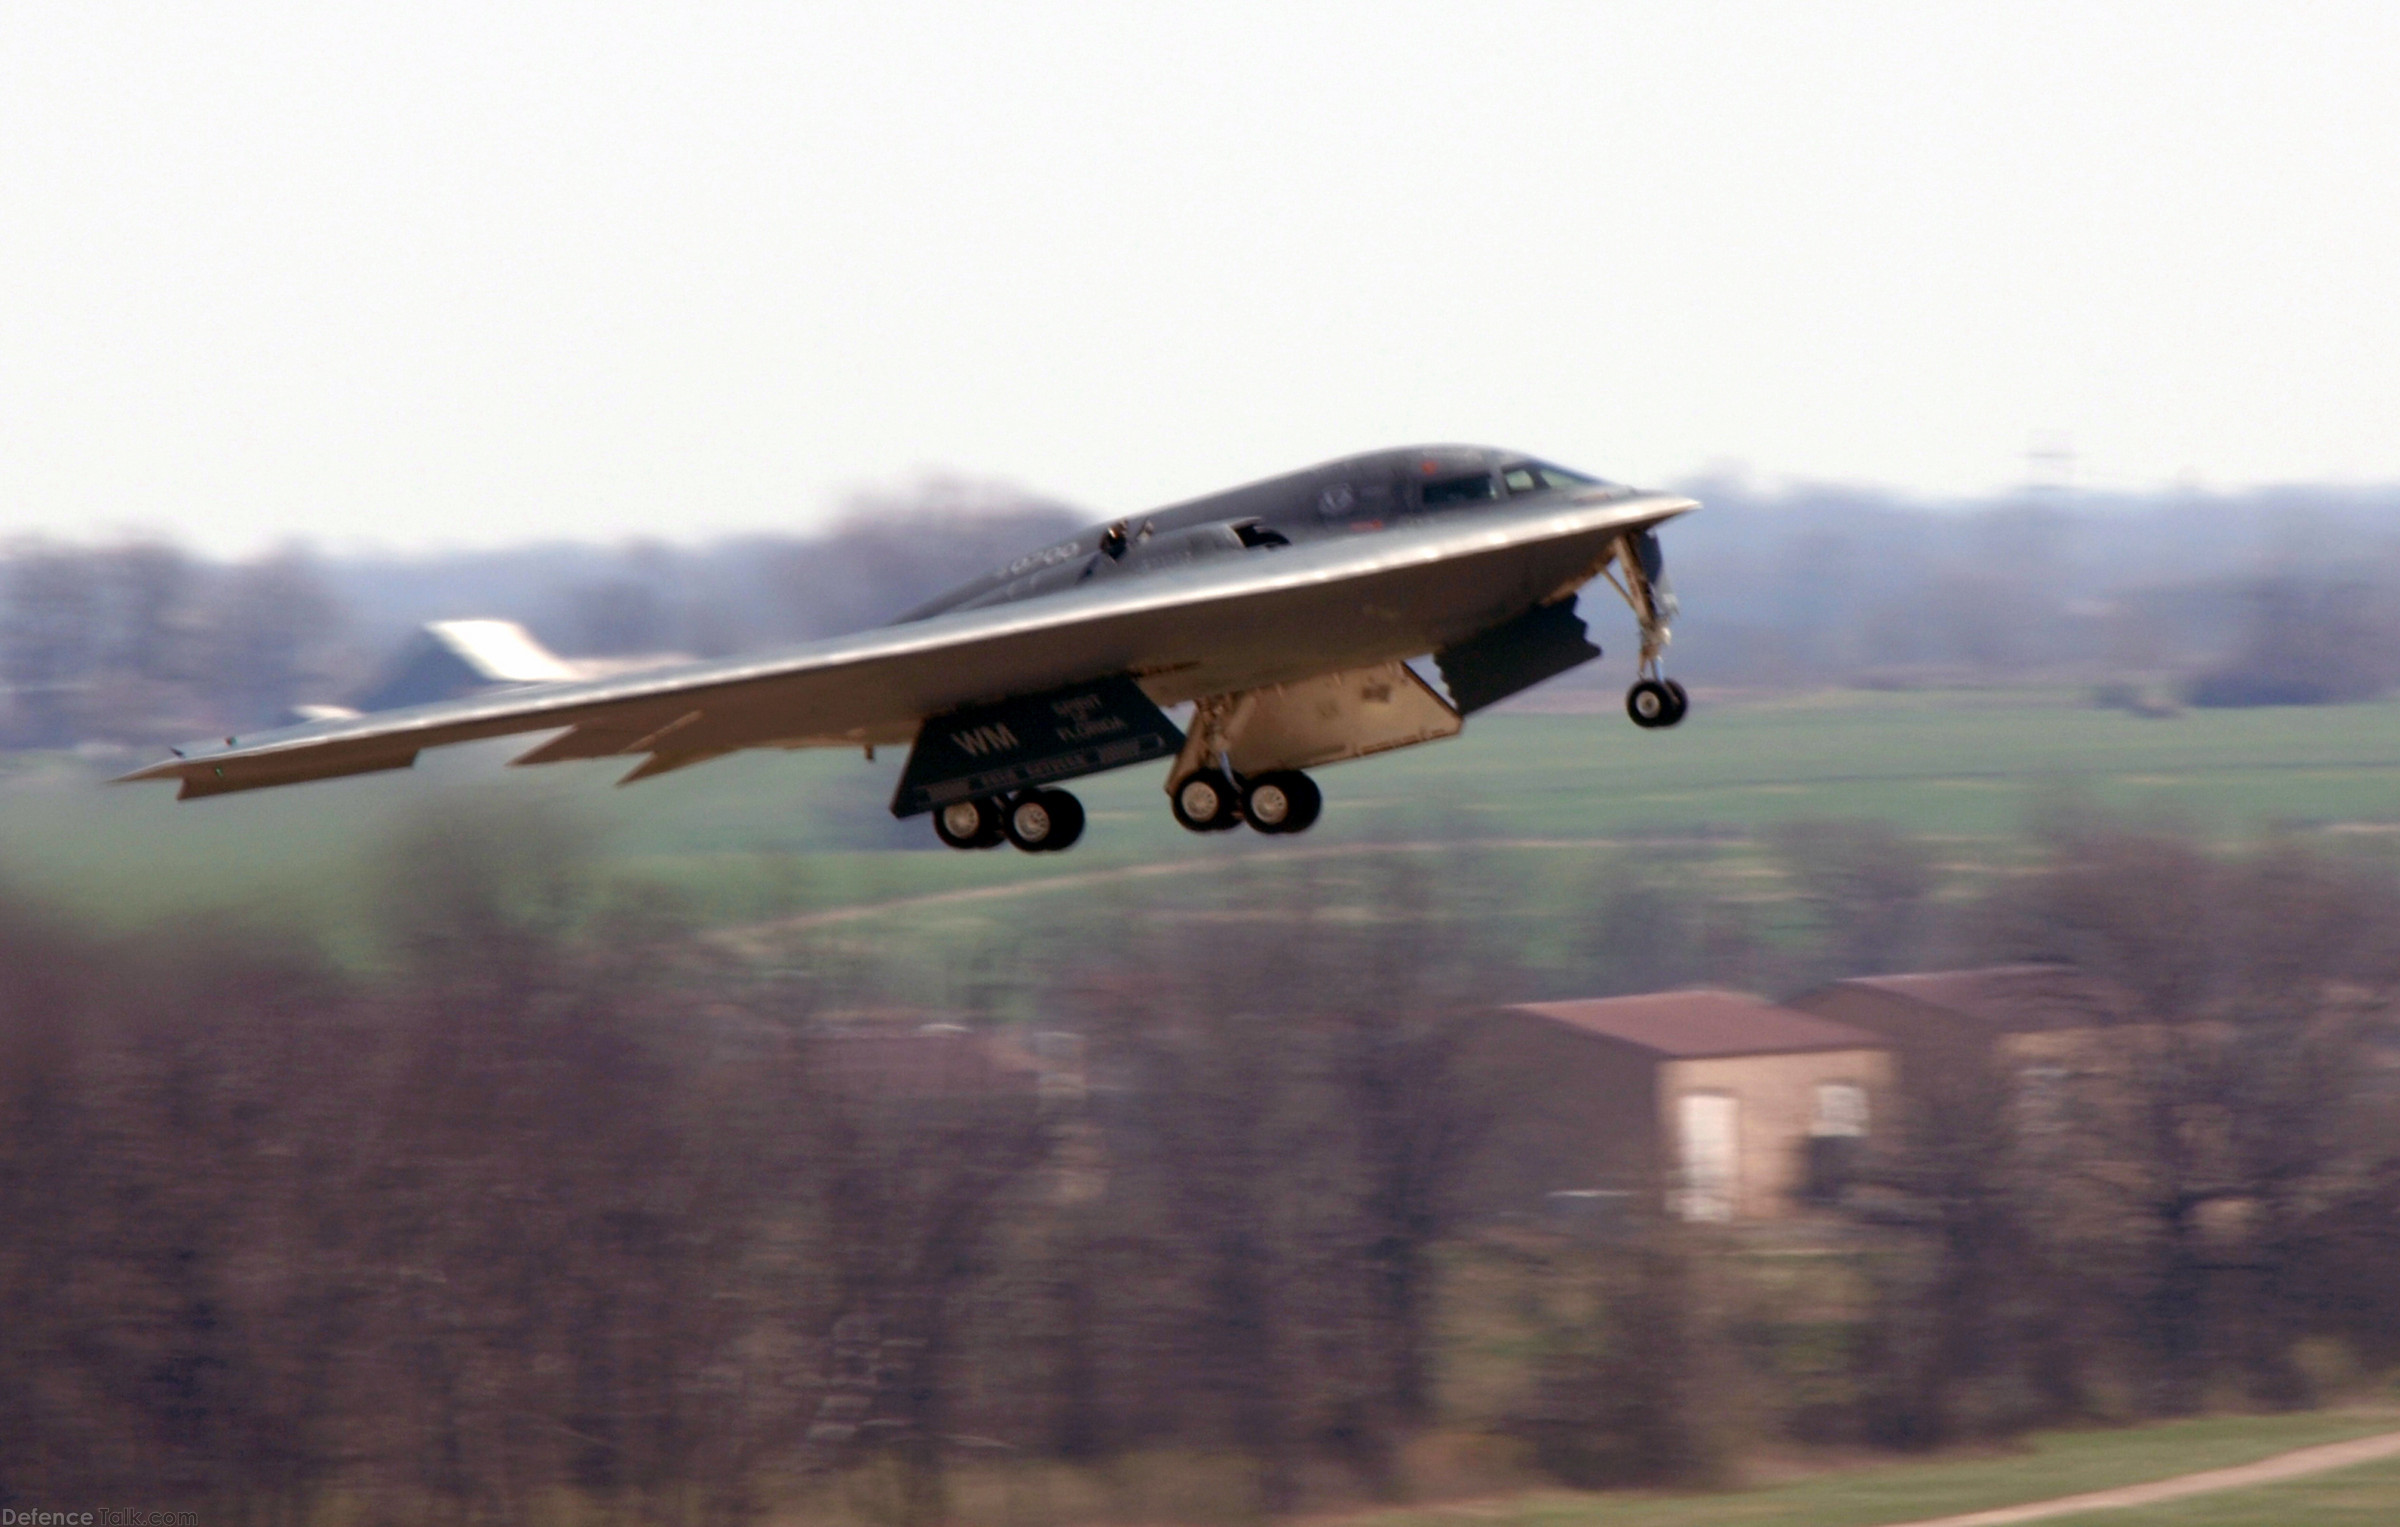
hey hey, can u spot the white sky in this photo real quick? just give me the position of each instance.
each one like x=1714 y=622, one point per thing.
x=417 y=276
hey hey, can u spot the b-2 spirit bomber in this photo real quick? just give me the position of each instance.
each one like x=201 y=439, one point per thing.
x=1286 y=613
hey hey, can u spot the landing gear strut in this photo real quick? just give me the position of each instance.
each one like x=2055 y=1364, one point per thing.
x=1037 y=821
x=1636 y=572
x=1209 y=796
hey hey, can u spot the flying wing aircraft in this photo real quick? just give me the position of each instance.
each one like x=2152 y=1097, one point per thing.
x=1286 y=613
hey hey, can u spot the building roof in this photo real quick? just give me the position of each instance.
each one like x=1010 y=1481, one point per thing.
x=1686 y=1025
x=450 y=659
x=2010 y=998
x=501 y=651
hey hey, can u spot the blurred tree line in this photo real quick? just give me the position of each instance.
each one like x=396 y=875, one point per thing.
x=557 y=1211
x=144 y=644
x=2272 y=596
x=2276 y=597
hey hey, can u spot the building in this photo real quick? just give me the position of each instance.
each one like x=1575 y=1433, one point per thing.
x=450 y=659
x=1729 y=1106
x=1986 y=1012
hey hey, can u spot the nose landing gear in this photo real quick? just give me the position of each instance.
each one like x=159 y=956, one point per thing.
x=1656 y=703
x=1037 y=821
x=1638 y=571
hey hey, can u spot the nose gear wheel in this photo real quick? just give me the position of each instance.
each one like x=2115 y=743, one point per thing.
x=1656 y=703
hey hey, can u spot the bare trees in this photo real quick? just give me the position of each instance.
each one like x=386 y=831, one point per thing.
x=539 y=1202
x=49 y=640
x=1869 y=887
x=138 y=643
x=1288 y=1136
x=2203 y=1142
x=910 y=1150
x=1972 y=1325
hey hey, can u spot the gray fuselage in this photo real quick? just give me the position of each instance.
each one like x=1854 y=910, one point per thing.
x=1359 y=494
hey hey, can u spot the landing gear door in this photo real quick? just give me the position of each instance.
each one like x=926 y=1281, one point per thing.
x=1541 y=643
x=1317 y=721
x=1041 y=739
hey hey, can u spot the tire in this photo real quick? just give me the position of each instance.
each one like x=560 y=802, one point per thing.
x=1044 y=821
x=1204 y=801
x=1283 y=801
x=1683 y=702
x=1028 y=822
x=968 y=824
x=1067 y=812
x=1651 y=704
x=1308 y=803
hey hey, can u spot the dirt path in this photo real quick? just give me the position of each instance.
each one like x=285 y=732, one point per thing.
x=2307 y=1460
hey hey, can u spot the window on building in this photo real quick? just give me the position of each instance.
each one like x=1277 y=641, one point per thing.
x=2042 y=1097
x=1841 y=1110
x=1837 y=1129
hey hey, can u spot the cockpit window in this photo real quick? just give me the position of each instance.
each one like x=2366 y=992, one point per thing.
x=1534 y=476
x=1460 y=490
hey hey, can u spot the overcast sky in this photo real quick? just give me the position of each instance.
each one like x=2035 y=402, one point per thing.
x=417 y=276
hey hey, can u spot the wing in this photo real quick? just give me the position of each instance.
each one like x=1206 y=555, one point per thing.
x=1260 y=617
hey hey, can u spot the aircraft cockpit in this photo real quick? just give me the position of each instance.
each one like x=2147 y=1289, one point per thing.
x=1541 y=477
x=1512 y=480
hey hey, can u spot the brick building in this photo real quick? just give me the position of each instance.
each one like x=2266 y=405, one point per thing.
x=1731 y=1107
x=1992 y=1011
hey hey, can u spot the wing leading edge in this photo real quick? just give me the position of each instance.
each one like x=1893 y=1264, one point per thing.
x=1277 y=615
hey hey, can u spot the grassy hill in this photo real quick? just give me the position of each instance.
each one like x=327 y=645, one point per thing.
x=764 y=836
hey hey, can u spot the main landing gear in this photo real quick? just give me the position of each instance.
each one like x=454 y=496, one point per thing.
x=1280 y=801
x=1036 y=821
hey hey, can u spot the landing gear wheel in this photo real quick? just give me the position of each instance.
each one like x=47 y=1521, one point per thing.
x=1683 y=702
x=1285 y=800
x=1205 y=801
x=1653 y=703
x=1043 y=821
x=1066 y=821
x=970 y=824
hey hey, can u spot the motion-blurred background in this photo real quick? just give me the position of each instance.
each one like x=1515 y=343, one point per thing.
x=1957 y=1066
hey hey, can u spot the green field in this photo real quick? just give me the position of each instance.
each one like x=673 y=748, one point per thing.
x=760 y=837
x=2046 y=1466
